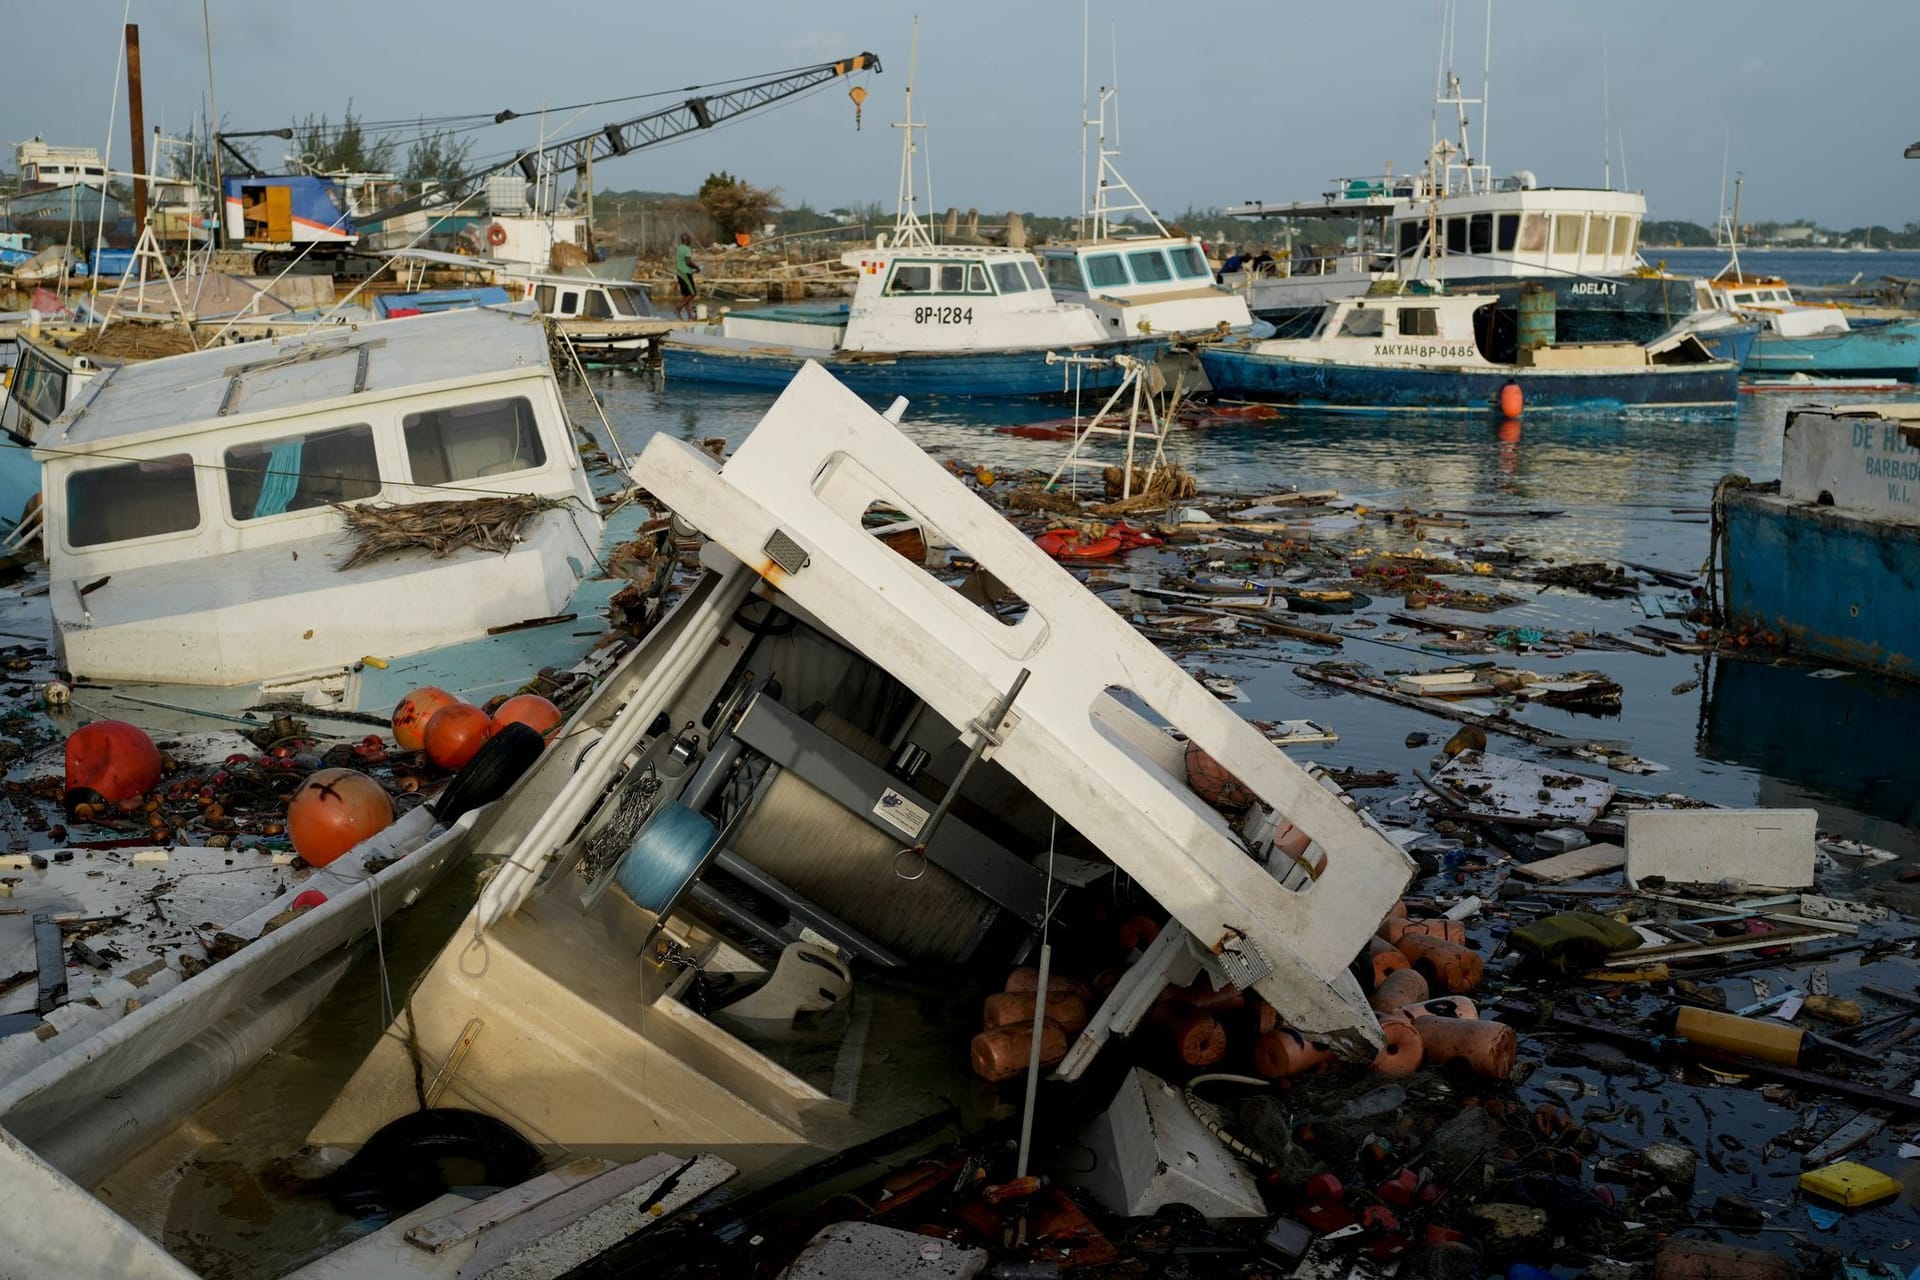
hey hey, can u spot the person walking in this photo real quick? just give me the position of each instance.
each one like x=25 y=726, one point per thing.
x=683 y=268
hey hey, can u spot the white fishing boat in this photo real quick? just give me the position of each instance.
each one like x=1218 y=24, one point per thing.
x=925 y=319
x=606 y=321
x=1137 y=281
x=198 y=508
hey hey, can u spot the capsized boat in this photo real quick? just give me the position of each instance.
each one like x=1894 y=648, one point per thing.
x=1828 y=560
x=1425 y=353
x=200 y=509
x=828 y=754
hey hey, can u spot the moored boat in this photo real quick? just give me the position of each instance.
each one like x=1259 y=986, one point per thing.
x=1828 y=560
x=1812 y=339
x=1426 y=353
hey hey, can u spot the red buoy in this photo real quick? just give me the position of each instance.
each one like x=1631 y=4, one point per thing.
x=112 y=759
x=531 y=710
x=456 y=733
x=334 y=810
x=411 y=716
x=1511 y=401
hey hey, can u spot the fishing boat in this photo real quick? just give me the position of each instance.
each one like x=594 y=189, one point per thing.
x=199 y=509
x=1145 y=282
x=1427 y=353
x=1812 y=340
x=925 y=319
x=605 y=321
x=1828 y=559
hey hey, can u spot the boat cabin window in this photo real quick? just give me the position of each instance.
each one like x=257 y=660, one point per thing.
x=543 y=298
x=1567 y=230
x=469 y=441
x=1411 y=235
x=1007 y=276
x=1189 y=263
x=39 y=386
x=1456 y=235
x=1031 y=269
x=1063 y=272
x=953 y=277
x=629 y=303
x=977 y=279
x=911 y=277
x=1419 y=322
x=1506 y=232
x=1149 y=266
x=1622 y=236
x=272 y=477
x=1533 y=233
x=1599 y=231
x=1105 y=270
x=598 y=308
x=132 y=500
x=1362 y=323
x=570 y=302
x=1480 y=233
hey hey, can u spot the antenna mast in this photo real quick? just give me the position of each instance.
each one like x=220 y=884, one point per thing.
x=907 y=227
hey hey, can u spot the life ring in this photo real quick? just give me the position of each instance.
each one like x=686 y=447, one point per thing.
x=496 y=235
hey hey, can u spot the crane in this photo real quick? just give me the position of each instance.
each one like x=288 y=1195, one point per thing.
x=611 y=141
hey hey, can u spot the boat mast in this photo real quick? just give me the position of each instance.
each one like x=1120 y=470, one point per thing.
x=1109 y=180
x=907 y=227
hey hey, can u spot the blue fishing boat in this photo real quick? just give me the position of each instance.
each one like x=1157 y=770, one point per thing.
x=1426 y=353
x=1828 y=559
x=1813 y=339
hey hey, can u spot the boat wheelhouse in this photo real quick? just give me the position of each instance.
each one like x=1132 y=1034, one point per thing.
x=195 y=531
x=1148 y=285
x=607 y=321
x=1428 y=353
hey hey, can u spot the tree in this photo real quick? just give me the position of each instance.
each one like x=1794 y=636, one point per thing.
x=438 y=157
x=735 y=205
x=346 y=149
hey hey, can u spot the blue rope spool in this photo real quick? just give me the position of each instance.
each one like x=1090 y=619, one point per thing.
x=666 y=856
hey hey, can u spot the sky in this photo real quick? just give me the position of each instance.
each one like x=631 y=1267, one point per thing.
x=1220 y=103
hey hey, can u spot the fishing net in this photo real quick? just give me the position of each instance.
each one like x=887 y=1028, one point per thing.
x=440 y=528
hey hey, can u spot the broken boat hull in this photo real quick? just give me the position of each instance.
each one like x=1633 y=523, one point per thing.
x=1890 y=351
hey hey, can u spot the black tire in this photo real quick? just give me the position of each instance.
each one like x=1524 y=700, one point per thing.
x=421 y=1155
x=498 y=764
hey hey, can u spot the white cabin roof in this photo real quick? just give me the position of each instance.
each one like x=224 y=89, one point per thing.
x=227 y=385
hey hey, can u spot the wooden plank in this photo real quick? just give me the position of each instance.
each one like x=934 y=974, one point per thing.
x=1847 y=1137
x=1574 y=865
x=442 y=1233
x=1720 y=946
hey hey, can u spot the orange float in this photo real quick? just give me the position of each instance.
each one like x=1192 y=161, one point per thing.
x=1447 y=966
x=456 y=733
x=411 y=716
x=1512 y=400
x=1398 y=989
x=1285 y=1052
x=334 y=810
x=1488 y=1048
x=1071 y=544
x=1008 y=1008
x=1212 y=782
x=1382 y=959
x=1403 y=1052
x=1002 y=1053
x=531 y=710
x=111 y=759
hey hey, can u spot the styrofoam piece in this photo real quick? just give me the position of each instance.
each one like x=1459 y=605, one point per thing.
x=1560 y=840
x=1150 y=1151
x=1771 y=847
x=868 y=1251
x=800 y=485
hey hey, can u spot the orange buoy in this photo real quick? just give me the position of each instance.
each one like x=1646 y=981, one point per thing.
x=110 y=759
x=1212 y=782
x=411 y=716
x=1027 y=978
x=1382 y=959
x=1488 y=1048
x=456 y=733
x=1285 y=1052
x=334 y=810
x=1451 y=930
x=1511 y=400
x=1194 y=1036
x=1006 y=1008
x=531 y=710
x=1508 y=432
x=1001 y=1054
x=1400 y=988
x=1447 y=966
x=1403 y=1053
x=1442 y=1007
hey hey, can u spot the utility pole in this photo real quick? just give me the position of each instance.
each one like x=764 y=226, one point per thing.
x=136 y=119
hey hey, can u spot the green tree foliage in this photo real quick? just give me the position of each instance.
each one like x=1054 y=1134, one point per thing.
x=343 y=148
x=736 y=205
x=438 y=157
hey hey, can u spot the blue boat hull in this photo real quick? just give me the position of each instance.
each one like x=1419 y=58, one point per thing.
x=1890 y=351
x=1586 y=308
x=1733 y=344
x=1840 y=586
x=1371 y=389
x=965 y=373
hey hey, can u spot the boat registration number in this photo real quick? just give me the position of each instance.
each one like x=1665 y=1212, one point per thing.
x=943 y=315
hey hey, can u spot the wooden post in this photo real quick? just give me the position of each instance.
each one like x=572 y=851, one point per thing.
x=136 y=119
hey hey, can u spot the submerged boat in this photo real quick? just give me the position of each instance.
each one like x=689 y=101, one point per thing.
x=200 y=510
x=1811 y=339
x=1426 y=353
x=925 y=319
x=1828 y=560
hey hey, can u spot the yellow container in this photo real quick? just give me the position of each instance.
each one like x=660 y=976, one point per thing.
x=1745 y=1037
x=1849 y=1183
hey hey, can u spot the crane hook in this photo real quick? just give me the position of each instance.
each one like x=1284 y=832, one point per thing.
x=859 y=96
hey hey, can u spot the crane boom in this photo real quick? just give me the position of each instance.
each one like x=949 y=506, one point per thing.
x=627 y=136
